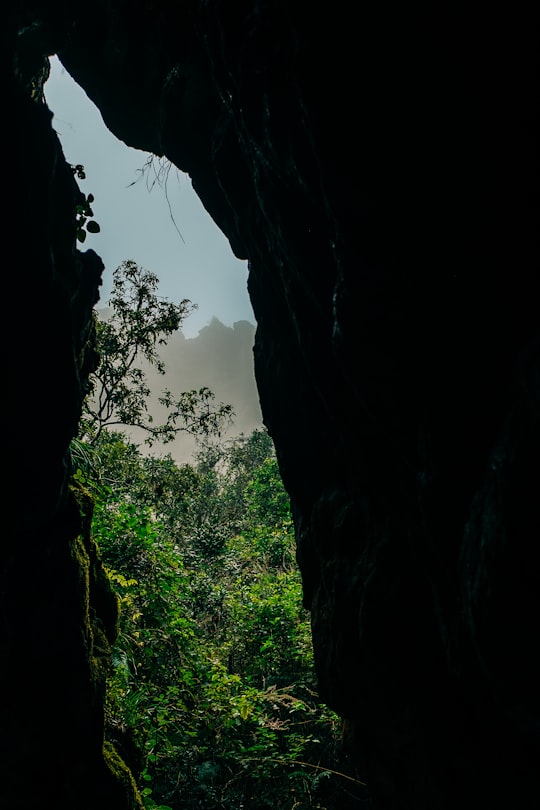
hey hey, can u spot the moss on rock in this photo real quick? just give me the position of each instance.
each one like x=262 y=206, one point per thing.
x=122 y=775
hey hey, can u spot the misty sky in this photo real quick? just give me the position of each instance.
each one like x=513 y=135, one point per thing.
x=140 y=218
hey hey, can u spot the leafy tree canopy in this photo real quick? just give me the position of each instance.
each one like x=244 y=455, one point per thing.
x=211 y=695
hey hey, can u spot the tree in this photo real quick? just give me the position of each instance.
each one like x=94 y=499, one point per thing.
x=212 y=696
x=140 y=323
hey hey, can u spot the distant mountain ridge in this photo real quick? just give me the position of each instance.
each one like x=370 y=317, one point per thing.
x=219 y=357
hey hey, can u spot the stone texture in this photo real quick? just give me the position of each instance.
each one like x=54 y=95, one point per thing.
x=379 y=172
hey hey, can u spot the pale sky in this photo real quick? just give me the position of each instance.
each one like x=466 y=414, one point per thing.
x=136 y=222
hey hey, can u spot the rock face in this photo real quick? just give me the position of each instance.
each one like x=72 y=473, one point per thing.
x=378 y=169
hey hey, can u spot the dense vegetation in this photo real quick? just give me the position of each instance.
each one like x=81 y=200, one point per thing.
x=212 y=698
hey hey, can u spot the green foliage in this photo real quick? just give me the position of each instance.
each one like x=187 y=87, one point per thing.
x=84 y=211
x=141 y=322
x=212 y=698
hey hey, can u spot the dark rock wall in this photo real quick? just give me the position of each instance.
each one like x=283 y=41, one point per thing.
x=379 y=171
x=57 y=612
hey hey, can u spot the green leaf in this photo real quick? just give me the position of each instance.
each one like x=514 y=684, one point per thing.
x=93 y=227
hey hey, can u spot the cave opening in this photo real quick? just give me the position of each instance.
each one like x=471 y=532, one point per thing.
x=260 y=676
x=149 y=212
x=142 y=205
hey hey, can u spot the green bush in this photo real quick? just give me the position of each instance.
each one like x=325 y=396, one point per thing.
x=212 y=695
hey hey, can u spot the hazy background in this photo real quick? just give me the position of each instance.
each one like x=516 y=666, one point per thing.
x=148 y=212
x=219 y=357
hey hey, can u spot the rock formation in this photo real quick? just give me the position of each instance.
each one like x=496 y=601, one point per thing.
x=377 y=167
